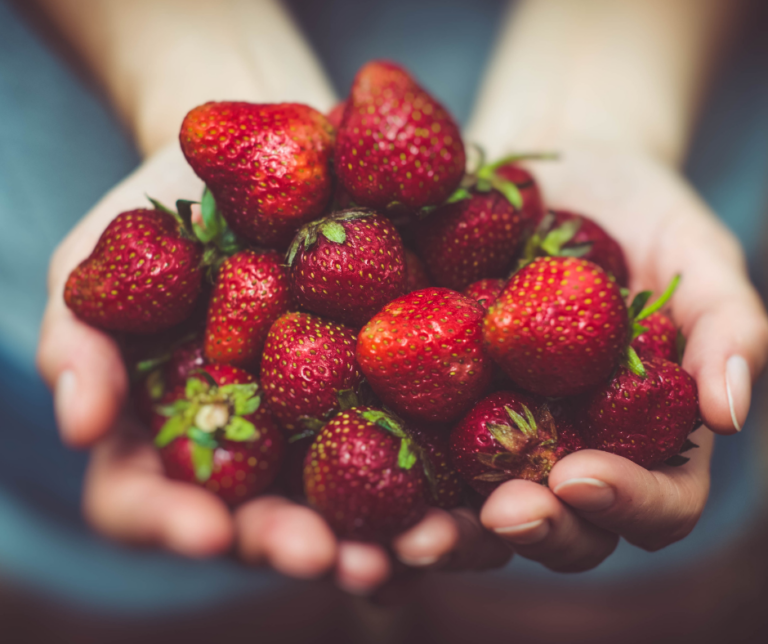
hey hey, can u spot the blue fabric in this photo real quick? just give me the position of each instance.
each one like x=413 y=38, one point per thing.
x=61 y=149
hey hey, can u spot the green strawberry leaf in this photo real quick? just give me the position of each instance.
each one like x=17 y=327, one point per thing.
x=297 y=437
x=173 y=428
x=333 y=231
x=311 y=425
x=145 y=366
x=577 y=250
x=160 y=206
x=210 y=213
x=493 y=477
x=406 y=457
x=199 y=437
x=498 y=461
x=194 y=387
x=504 y=434
x=624 y=292
x=661 y=300
x=294 y=247
x=347 y=399
x=680 y=342
x=202 y=461
x=560 y=236
x=204 y=376
x=526 y=425
x=634 y=364
x=176 y=408
x=227 y=242
x=311 y=237
x=509 y=190
x=239 y=429
x=638 y=330
x=155 y=384
x=247 y=406
x=243 y=396
x=459 y=195
x=385 y=421
x=638 y=303
x=483 y=185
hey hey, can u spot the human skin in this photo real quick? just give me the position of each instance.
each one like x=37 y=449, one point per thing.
x=556 y=82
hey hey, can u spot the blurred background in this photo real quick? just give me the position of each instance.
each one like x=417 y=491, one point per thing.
x=61 y=583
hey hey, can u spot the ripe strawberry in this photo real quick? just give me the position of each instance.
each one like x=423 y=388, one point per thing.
x=266 y=165
x=143 y=276
x=251 y=292
x=532 y=209
x=307 y=363
x=485 y=291
x=507 y=435
x=660 y=339
x=396 y=144
x=415 y=275
x=470 y=239
x=566 y=233
x=347 y=266
x=559 y=327
x=336 y=114
x=444 y=489
x=422 y=354
x=363 y=475
x=645 y=419
x=217 y=432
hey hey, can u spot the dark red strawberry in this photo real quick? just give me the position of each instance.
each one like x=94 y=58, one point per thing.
x=415 y=275
x=143 y=276
x=307 y=363
x=559 y=327
x=645 y=419
x=251 y=292
x=336 y=114
x=566 y=233
x=485 y=292
x=422 y=354
x=216 y=431
x=363 y=475
x=396 y=144
x=508 y=435
x=660 y=339
x=532 y=209
x=347 y=266
x=470 y=239
x=266 y=165
x=444 y=489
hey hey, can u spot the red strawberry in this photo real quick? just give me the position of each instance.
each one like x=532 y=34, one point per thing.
x=645 y=419
x=143 y=275
x=444 y=488
x=415 y=275
x=508 y=435
x=660 y=339
x=336 y=114
x=396 y=144
x=559 y=327
x=470 y=239
x=363 y=475
x=307 y=363
x=422 y=354
x=485 y=291
x=266 y=165
x=217 y=432
x=532 y=209
x=347 y=266
x=251 y=292
x=565 y=233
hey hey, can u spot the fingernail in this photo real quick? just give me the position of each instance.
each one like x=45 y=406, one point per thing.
x=525 y=534
x=64 y=392
x=418 y=562
x=586 y=494
x=738 y=388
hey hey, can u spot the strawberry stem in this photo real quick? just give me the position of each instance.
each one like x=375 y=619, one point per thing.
x=661 y=300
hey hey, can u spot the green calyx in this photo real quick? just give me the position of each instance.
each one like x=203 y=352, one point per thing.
x=513 y=436
x=208 y=414
x=331 y=228
x=638 y=310
x=409 y=453
x=548 y=241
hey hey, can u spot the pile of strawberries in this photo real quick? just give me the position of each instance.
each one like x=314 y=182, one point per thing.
x=352 y=316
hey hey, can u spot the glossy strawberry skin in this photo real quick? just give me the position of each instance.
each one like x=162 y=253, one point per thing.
x=646 y=420
x=267 y=165
x=559 y=327
x=142 y=276
x=241 y=470
x=306 y=362
x=396 y=143
x=446 y=489
x=352 y=477
x=605 y=251
x=469 y=240
x=251 y=292
x=485 y=292
x=660 y=340
x=471 y=441
x=415 y=274
x=533 y=203
x=422 y=354
x=350 y=281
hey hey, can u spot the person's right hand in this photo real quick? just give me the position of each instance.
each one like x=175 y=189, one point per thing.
x=126 y=495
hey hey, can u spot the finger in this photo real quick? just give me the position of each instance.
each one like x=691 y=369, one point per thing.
x=543 y=529
x=430 y=540
x=477 y=547
x=84 y=368
x=291 y=538
x=721 y=316
x=649 y=508
x=127 y=497
x=362 y=567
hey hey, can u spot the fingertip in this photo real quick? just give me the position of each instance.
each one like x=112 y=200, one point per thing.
x=428 y=541
x=362 y=567
x=199 y=528
x=517 y=503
